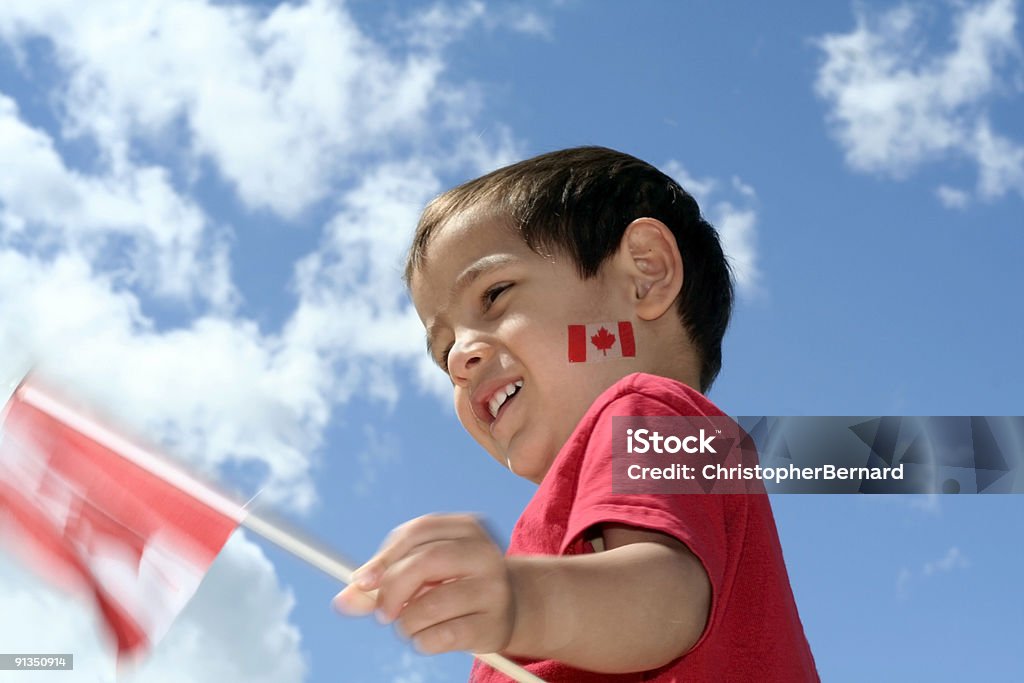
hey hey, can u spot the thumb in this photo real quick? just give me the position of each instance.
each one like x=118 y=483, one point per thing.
x=354 y=602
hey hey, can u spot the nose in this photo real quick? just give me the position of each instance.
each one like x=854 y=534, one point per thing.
x=469 y=353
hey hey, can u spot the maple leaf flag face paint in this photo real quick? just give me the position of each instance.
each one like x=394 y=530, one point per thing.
x=601 y=341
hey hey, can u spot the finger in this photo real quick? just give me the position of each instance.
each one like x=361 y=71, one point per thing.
x=354 y=602
x=448 y=601
x=470 y=632
x=403 y=539
x=436 y=562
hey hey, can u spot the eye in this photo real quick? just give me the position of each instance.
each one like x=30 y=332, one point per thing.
x=492 y=293
x=443 y=360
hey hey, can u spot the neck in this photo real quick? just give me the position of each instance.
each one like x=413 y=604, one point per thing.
x=673 y=356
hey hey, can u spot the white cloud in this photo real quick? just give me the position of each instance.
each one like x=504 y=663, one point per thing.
x=953 y=559
x=262 y=647
x=443 y=22
x=1000 y=161
x=207 y=643
x=215 y=392
x=283 y=103
x=894 y=104
x=735 y=219
x=437 y=25
x=743 y=188
x=379 y=452
x=530 y=23
x=352 y=302
x=738 y=228
x=700 y=188
x=952 y=198
x=90 y=214
x=56 y=626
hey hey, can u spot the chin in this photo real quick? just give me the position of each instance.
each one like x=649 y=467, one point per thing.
x=531 y=470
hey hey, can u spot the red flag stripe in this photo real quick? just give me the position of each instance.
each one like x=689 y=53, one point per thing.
x=577 y=343
x=149 y=462
x=626 y=340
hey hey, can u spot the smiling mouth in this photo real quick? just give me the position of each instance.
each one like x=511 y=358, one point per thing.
x=501 y=396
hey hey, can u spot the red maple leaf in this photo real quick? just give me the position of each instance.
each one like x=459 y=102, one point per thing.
x=603 y=340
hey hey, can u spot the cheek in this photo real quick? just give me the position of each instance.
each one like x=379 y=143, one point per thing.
x=538 y=342
x=464 y=412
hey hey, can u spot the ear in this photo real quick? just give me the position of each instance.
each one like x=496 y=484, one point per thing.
x=649 y=257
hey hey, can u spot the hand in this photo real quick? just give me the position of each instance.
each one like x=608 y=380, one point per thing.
x=444 y=583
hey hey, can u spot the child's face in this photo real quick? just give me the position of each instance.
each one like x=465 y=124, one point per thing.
x=497 y=314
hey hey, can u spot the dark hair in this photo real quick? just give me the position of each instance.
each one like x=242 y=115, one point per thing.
x=579 y=202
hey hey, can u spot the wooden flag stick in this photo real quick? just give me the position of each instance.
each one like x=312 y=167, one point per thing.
x=335 y=566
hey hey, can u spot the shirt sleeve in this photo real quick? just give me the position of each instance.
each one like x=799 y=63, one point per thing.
x=710 y=525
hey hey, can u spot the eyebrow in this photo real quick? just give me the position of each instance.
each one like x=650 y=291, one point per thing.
x=463 y=282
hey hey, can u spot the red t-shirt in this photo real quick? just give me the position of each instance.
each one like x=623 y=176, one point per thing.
x=754 y=631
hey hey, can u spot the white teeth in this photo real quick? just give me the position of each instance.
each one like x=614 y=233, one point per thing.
x=502 y=395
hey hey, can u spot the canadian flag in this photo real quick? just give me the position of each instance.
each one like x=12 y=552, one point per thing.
x=601 y=341
x=98 y=514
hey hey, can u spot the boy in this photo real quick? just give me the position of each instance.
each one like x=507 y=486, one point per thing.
x=595 y=585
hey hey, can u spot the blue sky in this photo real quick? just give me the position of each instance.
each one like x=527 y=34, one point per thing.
x=203 y=211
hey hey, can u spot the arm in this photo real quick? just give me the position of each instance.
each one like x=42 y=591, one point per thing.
x=634 y=607
x=638 y=605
